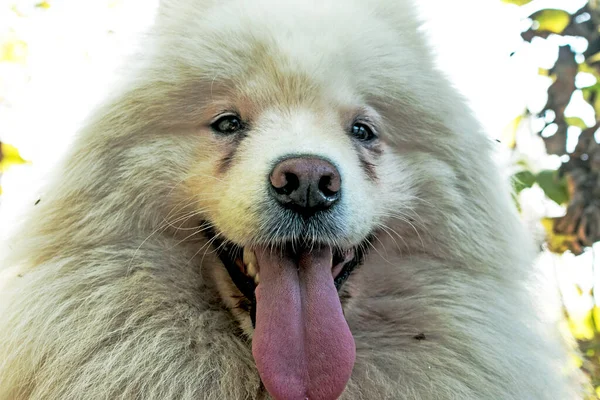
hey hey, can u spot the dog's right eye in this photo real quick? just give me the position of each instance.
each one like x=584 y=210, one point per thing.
x=227 y=125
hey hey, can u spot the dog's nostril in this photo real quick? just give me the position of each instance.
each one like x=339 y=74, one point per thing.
x=284 y=182
x=330 y=184
x=292 y=183
x=306 y=184
x=326 y=187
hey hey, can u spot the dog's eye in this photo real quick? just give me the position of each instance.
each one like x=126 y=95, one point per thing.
x=362 y=132
x=227 y=125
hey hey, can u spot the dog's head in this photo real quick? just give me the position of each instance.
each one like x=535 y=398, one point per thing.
x=291 y=187
x=296 y=138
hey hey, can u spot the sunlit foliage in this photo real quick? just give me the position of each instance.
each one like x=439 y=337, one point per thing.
x=576 y=183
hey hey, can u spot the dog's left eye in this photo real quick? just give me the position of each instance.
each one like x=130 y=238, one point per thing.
x=362 y=132
x=227 y=125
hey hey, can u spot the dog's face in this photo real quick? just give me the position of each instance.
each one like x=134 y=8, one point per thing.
x=301 y=174
x=294 y=115
x=291 y=187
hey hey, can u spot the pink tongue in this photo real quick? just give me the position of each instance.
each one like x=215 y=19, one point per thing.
x=302 y=345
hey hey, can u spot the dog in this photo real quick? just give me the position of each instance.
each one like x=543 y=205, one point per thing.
x=279 y=200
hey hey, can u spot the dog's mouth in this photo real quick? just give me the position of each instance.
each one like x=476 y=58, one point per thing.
x=244 y=269
x=302 y=345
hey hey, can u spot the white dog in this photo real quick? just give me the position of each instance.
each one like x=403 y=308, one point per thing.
x=283 y=199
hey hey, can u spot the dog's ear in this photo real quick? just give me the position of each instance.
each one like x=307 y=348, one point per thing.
x=403 y=16
x=173 y=16
x=170 y=8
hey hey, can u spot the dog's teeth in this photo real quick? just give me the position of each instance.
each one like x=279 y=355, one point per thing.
x=251 y=264
x=249 y=257
x=252 y=272
x=251 y=268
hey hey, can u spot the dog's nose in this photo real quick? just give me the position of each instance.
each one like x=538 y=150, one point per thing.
x=306 y=184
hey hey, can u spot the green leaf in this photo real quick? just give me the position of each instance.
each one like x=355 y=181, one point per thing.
x=13 y=50
x=589 y=90
x=596 y=106
x=509 y=133
x=523 y=180
x=554 y=188
x=551 y=20
x=593 y=59
x=576 y=121
x=559 y=243
x=517 y=2
x=10 y=156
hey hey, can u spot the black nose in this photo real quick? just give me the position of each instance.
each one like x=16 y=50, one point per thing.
x=306 y=184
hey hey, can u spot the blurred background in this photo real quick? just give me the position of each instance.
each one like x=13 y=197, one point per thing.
x=529 y=68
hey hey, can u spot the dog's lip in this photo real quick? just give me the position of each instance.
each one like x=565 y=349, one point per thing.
x=244 y=259
x=249 y=265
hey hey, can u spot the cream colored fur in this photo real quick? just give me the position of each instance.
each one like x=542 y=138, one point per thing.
x=110 y=292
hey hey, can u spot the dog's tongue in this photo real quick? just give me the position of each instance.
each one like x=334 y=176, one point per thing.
x=302 y=345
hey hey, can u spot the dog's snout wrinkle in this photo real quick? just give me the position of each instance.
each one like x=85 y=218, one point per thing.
x=307 y=184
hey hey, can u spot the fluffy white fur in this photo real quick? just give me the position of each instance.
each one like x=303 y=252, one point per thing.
x=110 y=292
